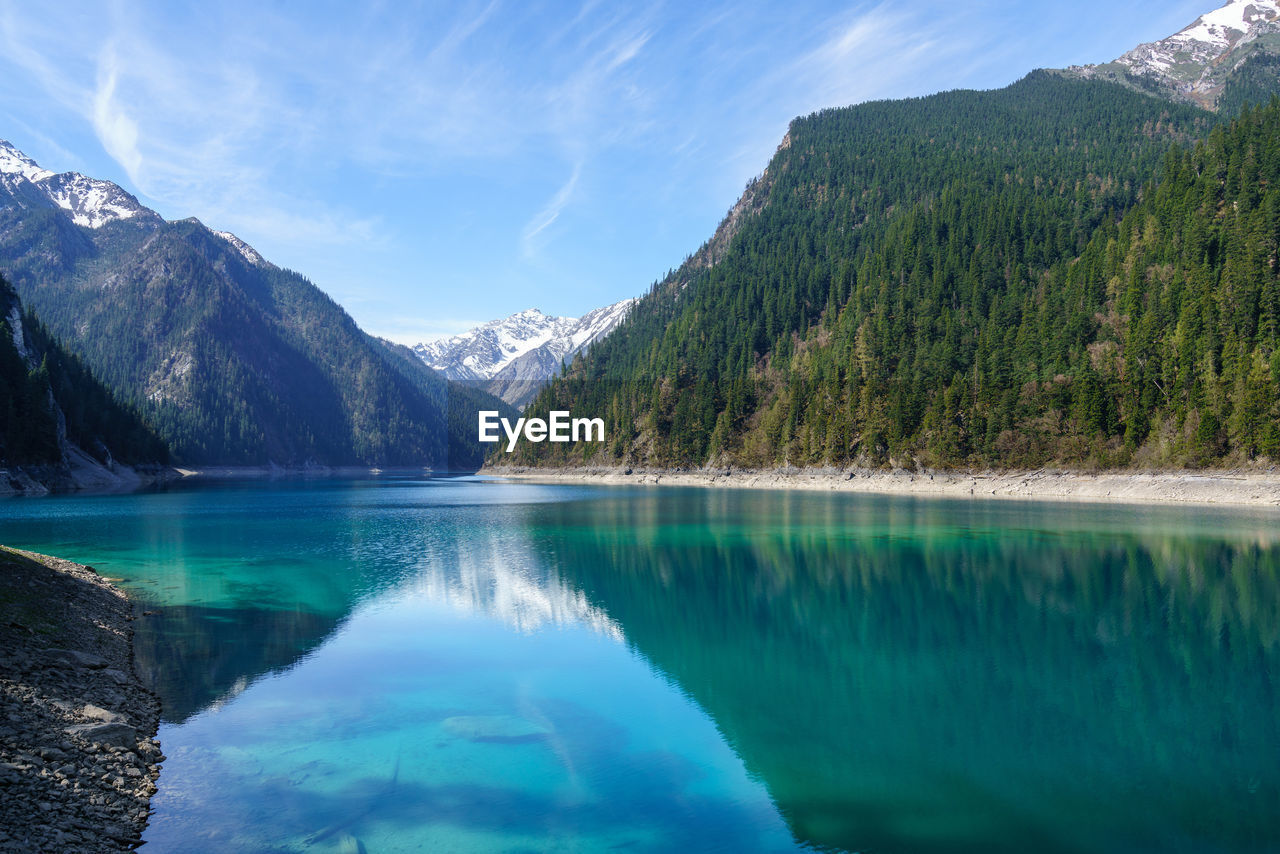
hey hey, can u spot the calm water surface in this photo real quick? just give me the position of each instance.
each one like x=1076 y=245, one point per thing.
x=471 y=666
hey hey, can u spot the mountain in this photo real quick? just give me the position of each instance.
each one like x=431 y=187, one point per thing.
x=1223 y=59
x=88 y=202
x=514 y=357
x=58 y=426
x=233 y=359
x=1004 y=278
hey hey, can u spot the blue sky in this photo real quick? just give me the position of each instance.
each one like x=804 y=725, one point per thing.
x=435 y=165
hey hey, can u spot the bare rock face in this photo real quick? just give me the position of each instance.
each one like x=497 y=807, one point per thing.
x=78 y=754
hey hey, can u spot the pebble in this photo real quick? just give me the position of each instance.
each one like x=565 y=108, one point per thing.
x=78 y=758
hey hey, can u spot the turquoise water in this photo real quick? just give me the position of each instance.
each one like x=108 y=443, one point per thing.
x=399 y=665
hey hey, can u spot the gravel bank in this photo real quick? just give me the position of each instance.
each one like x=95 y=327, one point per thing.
x=1254 y=488
x=78 y=755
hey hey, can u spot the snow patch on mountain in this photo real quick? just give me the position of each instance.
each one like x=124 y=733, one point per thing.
x=482 y=353
x=91 y=202
x=515 y=356
x=250 y=254
x=1224 y=27
x=1196 y=61
x=14 y=162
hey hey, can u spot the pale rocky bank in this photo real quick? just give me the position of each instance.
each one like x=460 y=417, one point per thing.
x=1259 y=488
x=78 y=754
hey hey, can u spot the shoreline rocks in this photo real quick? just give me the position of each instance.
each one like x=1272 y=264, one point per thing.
x=78 y=754
x=80 y=473
x=1258 y=488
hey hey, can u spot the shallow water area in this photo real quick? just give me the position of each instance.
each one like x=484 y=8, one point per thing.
x=466 y=665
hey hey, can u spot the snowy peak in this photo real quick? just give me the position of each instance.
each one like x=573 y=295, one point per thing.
x=481 y=352
x=1223 y=28
x=1195 y=63
x=14 y=162
x=528 y=347
x=250 y=254
x=91 y=202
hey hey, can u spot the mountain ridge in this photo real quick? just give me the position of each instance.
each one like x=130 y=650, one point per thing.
x=512 y=357
x=928 y=284
x=59 y=427
x=1205 y=59
x=234 y=360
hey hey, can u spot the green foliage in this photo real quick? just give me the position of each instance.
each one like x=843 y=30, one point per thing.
x=52 y=387
x=973 y=278
x=233 y=362
x=462 y=407
x=1254 y=82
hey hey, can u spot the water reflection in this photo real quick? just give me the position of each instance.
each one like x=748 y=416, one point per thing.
x=195 y=657
x=925 y=676
x=438 y=665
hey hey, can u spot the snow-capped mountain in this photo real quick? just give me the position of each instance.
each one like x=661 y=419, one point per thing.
x=513 y=357
x=250 y=254
x=90 y=202
x=1197 y=62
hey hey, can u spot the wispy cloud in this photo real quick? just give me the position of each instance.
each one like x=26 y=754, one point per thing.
x=475 y=140
x=419 y=330
x=116 y=130
x=546 y=217
x=882 y=51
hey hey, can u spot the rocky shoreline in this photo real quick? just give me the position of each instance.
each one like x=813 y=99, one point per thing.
x=78 y=754
x=80 y=473
x=1258 y=488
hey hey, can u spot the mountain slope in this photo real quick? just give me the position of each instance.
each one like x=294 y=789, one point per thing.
x=235 y=361
x=515 y=356
x=464 y=401
x=909 y=290
x=56 y=421
x=1219 y=61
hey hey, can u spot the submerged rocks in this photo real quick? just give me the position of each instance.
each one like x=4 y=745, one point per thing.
x=78 y=761
x=501 y=729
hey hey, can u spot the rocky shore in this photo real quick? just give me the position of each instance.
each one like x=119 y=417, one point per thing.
x=78 y=754
x=1259 y=488
x=78 y=472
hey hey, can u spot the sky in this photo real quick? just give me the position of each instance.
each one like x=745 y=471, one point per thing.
x=432 y=166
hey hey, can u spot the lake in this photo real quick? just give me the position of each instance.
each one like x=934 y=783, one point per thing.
x=466 y=665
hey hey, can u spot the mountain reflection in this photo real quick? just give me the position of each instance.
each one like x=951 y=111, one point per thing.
x=223 y=612
x=195 y=657
x=934 y=676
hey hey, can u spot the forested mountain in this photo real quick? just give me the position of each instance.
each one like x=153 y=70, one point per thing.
x=51 y=406
x=234 y=360
x=464 y=402
x=1013 y=278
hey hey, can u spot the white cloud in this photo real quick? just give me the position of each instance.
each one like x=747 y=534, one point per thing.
x=117 y=132
x=421 y=330
x=544 y=218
